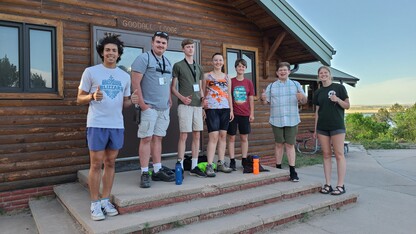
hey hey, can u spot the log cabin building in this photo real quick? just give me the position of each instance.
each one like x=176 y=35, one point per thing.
x=45 y=45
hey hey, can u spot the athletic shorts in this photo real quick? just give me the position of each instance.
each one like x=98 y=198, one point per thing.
x=243 y=124
x=99 y=139
x=217 y=119
x=285 y=134
x=331 y=132
x=153 y=122
x=190 y=118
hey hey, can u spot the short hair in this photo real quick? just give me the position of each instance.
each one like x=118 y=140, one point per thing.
x=110 y=38
x=215 y=54
x=283 y=64
x=161 y=34
x=187 y=41
x=242 y=61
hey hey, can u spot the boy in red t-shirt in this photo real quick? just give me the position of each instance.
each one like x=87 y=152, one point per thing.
x=242 y=91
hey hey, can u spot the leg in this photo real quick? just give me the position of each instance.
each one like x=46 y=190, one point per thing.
x=231 y=145
x=182 y=144
x=244 y=145
x=222 y=143
x=109 y=169
x=156 y=149
x=212 y=145
x=144 y=151
x=327 y=154
x=94 y=175
x=278 y=152
x=196 y=139
x=291 y=154
x=338 y=144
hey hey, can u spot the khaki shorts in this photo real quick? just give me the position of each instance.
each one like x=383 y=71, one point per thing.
x=285 y=134
x=190 y=118
x=153 y=122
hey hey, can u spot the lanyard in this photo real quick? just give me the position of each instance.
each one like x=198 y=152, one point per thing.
x=158 y=63
x=192 y=71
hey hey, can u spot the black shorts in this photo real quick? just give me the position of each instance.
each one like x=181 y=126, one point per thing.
x=243 y=123
x=217 y=119
x=331 y=132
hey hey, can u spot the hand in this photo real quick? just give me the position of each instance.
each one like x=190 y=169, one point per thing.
x=299 y=96
x=334 y=98
x=187 y=100
x=205 y=103
x=98 y=95
x=231 y=116
x=263 y=95
x=134 y=97
x=251 y=118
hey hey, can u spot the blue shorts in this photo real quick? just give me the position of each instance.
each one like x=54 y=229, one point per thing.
x=217 y=119
x=99 y=139
x=243 y=124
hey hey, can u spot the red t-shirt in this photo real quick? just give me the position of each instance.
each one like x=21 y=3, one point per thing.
x=241 y=91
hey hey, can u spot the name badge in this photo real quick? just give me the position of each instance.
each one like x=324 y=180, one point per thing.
x=162 y=81
x=196 y=87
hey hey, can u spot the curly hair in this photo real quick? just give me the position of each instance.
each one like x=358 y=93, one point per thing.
x=110 y=38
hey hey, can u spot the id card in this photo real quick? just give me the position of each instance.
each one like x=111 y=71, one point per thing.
x=162 y=81
x=196 y=87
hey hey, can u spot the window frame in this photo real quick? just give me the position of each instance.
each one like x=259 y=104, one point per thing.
x=56 y=29
x=242 y=49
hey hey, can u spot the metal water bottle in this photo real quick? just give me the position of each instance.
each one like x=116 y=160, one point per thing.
x=256 y=164
x=178 y=172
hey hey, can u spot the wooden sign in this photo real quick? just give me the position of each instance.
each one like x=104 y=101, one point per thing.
x=143 y=25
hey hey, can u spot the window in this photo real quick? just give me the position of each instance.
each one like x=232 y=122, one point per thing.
x=234 y=52
x=29 y=59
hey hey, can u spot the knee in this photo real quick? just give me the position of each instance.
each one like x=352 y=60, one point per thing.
x=96 y=166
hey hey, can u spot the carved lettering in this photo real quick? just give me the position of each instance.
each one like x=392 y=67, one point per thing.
x=144 y=26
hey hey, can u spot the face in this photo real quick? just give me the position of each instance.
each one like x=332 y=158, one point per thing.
x=283 y=72
x=218 y=61
x=189 y=50
x=324 y=75
x=240 y=69
x=159 y=45
x=110 y=55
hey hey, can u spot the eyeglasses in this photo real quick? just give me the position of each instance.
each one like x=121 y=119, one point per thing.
x=161 y=34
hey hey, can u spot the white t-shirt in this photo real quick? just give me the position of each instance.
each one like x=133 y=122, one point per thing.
x=115 y=85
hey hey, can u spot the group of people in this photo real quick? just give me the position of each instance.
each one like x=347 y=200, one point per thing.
x=226 y=105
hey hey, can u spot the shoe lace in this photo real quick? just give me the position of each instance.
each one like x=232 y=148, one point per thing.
x=109 y=206
x=96 y=208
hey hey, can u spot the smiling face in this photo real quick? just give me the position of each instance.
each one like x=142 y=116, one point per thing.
x=240 y=69
x=218 y=62
x=283 y=72
x=324 y=75
x=110 y=55
x=159 y=45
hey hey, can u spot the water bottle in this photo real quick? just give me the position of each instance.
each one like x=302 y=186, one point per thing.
x=256 y=164
x=178 y=172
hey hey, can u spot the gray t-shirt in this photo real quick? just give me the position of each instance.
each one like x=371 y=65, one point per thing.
x=156 y=81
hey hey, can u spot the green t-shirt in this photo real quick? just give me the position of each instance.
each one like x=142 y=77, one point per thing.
x=186 y=80
x=330 y=114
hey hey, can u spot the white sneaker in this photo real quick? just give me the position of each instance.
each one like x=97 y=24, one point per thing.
x=108 y=208
x=96 y=212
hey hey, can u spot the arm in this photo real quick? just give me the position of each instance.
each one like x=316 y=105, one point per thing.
x=136 y=78
x=251 y=100
x=204 y=91
x=230 y=99
x=127 y=102
x=174 y=91
x=84 y=98
x=316 y=121
x=343 y=104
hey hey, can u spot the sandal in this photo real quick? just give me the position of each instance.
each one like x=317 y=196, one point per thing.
x=326 y=189
x=338 y=190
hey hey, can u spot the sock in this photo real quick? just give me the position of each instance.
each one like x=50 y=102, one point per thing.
x=292 y=169
x=194 y=163
x=232 y=159
x=279 y=166
x=182 y=164
x=243 y=161
x=105 y=200
x=144 y=169
x=92 y=202
x=156 y=167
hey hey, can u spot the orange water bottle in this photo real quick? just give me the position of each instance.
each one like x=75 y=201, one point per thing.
x=256 y=164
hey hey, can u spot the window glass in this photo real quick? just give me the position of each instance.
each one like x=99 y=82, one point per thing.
x=128 y=57
x=174 y=56
x=9 y=57
x=249 y=57
x=40 y=59
x=231 y=58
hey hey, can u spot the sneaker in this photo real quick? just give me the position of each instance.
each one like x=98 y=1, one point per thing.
x=232 y=165
x=108 y=208
x=168 y=171
x=96 y=212
x=197 y=172
x=210 y=171
x=145 y=180
x=223 y=167
x=294 y=176
x=163 y=176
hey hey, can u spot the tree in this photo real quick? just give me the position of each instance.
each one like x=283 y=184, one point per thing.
x=405 y=129
x=362 y=128
x=382 y=116
x=37 y=81
x=9 y=75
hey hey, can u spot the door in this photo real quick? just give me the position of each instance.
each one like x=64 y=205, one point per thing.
x=136 y=43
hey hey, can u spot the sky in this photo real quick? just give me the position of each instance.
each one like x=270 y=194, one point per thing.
x=374 y=40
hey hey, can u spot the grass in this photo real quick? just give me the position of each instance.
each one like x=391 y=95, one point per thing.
x=305 y=160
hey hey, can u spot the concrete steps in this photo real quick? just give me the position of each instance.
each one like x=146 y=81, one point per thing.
x=228 y=203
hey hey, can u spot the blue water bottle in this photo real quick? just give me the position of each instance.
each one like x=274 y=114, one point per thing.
x=178 y=172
